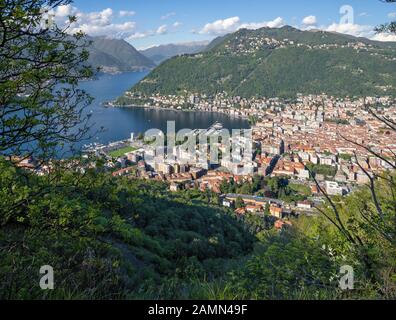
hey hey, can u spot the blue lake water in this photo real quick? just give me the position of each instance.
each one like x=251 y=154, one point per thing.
x=119 y=123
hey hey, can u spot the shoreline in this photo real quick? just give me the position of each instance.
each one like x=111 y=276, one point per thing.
x=177 y=110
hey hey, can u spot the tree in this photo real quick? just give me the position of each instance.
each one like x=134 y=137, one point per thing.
x=387 y=27
x=246 y=189
x=41 y=107
x=366 y=221
x=228 y=186
x=140 y=136
x=370 y=215
x=374 y=212
x=267 y=211
x=257 y=183
x=239 y=203
x=277 y=185
x=42 y=110
x=288 y=266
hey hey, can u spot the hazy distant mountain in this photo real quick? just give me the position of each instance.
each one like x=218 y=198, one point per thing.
x=163 y=52
x=117 y=55
x=280 y=63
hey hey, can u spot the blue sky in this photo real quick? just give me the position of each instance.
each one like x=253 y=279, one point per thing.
x=146 y=23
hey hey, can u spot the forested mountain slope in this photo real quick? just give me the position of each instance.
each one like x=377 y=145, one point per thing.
x=280 y=62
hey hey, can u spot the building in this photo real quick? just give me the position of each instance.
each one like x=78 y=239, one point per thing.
x=254 y=208
x=328 y=160
x=303 y=174
x=164 y=168
x=134 y=157
x=124 y=172
x=275 y=147
x=239 y=168
x=254 y=200
x=197 y=173
x=240 y=211
x=362 y=178
x=265 y=164
x=281 y=224
x=340 y=177
x=228 y=203
x=122 y=161
x=276 y=211
x=174 y=187
x=334 y=189
x=304 y=205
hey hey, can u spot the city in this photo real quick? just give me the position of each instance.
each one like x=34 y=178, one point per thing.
x=198 y=158
x=317 y=137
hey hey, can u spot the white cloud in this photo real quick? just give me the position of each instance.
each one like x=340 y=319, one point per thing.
x=234 y=23
x=162 y=29
x=114 y=30
x=102 y=23
x=276 y=23
x=309 y=21
x=65 y=11
x=392 y=15
x=95 y=23
x=356 y=30
x=221 y=26
x=384 y=37
x=125 y=13
x=139 y=35
x=100 y=19
x=252 y=25
x=168 y=15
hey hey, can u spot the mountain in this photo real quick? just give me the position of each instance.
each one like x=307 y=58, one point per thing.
x=279 y=63
x=215 y=42
x=163 y=52
x=116 y=55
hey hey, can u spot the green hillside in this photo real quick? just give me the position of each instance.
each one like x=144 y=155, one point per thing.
x=109 y=238
x=118 y=238
x=280 y=62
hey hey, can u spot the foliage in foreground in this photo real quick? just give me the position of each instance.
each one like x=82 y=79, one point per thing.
x=106 y=238
x=110 y=238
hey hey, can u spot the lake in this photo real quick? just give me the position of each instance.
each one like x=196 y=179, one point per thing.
x=119 y=123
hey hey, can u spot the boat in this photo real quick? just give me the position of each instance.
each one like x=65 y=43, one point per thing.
x=217 y=126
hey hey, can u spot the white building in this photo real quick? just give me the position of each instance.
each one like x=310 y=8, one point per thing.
x=334 y=189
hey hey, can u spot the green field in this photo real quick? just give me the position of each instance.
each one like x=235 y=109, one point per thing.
x=120 y=152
